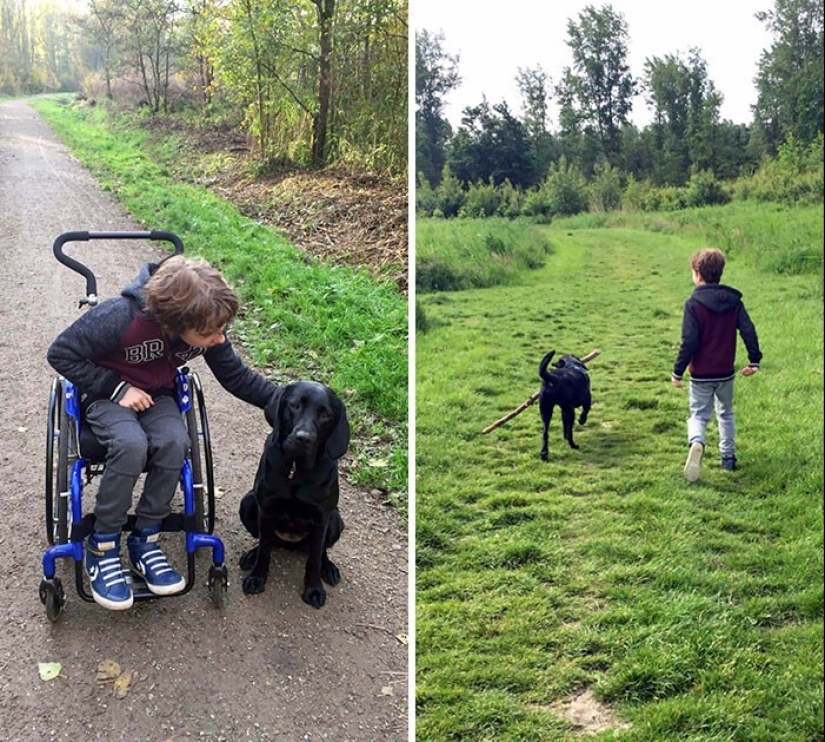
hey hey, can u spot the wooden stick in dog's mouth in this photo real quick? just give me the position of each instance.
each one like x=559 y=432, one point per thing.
x=590 y=356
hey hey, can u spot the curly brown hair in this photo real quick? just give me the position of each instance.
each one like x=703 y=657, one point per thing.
x=708 y=263
x=189 y=294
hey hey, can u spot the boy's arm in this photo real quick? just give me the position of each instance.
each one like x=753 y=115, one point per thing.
x=95 y=334
x=749 y=337
x=689 y=344
x=237 y=378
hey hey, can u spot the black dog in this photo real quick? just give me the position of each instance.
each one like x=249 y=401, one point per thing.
x=294 y=501
x=568 y=387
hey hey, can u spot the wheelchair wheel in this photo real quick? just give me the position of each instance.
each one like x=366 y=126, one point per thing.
x=59 y=433
x=218 y=583
x=53 y=597
x=201 y=456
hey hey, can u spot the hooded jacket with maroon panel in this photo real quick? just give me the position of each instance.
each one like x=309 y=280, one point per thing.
x=118 y=344
x=713 y=315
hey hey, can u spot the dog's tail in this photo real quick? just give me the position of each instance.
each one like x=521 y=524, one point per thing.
x=545 y=362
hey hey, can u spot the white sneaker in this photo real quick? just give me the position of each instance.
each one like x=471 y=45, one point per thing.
x=693 y=465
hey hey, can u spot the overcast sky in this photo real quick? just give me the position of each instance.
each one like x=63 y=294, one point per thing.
x=494 y=39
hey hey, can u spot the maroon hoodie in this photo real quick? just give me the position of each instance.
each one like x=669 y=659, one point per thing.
x=713 y=315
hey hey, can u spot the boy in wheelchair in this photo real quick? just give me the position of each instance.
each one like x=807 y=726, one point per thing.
x=123 y=354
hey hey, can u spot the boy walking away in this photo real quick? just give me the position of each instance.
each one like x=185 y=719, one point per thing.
x=122 y=354
x=713 y=315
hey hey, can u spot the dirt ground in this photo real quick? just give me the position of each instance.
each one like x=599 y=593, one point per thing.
x=266 y=667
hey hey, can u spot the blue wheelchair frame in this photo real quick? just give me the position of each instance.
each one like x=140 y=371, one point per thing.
x=68 y=527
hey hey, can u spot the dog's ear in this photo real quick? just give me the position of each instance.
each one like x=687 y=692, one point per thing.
x=338 y=440
x=560 y=363
x=272 y=410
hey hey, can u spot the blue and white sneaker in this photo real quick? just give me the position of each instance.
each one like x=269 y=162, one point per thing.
x=106 y=579
x=151 y=563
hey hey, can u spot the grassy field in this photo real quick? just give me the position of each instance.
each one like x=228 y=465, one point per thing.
x=300 y=319
x=690 y=611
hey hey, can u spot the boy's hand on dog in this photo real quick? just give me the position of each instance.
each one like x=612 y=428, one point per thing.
x=136 y=399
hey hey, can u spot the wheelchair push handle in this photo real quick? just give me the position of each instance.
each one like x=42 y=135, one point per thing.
x=91 y=297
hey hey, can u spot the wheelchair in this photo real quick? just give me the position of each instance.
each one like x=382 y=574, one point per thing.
x=74 y=457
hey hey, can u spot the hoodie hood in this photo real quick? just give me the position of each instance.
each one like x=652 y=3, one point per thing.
x=136 y=289
x=717 y=298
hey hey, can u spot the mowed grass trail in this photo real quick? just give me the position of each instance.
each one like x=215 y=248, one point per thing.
x=690 y=611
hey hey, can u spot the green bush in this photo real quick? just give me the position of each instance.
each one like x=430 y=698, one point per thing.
x=605 y=188
x=704 y=190
x=425 y=198
x=449 y=195
x=483 y=200
x=511 y=200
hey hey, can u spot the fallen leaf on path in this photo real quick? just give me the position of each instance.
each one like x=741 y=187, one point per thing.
x=49 y=670
x=124 y=683
x=107 y=670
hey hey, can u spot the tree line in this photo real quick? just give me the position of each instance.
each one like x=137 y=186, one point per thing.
x=593 y=153
x=314 y=82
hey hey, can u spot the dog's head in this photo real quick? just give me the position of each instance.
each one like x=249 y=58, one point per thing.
x=310 y=420
x=569 y=361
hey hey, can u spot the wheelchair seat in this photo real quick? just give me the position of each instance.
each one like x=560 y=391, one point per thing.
x=91 y=448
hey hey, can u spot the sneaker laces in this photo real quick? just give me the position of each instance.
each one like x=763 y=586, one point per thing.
x=155 y=561
x=111 y=571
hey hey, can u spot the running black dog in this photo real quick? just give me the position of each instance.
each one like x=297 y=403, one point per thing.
x=568 y=387
x=294 y=500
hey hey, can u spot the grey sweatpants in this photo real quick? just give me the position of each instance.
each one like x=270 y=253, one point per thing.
x=707 y=397
x=155 y=440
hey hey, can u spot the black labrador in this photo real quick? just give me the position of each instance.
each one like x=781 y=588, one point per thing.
x=568 y=386
x=294 y=501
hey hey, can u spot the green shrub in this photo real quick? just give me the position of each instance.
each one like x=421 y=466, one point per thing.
x=605 y=188
x=482 y=200
x=449 y=195
x=704 y=190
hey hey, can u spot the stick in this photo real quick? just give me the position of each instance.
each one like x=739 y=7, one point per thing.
x=591 y=355
x=531 y=399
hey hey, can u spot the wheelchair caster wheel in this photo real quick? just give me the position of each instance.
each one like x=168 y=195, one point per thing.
x=53 y=597
x=218 y=582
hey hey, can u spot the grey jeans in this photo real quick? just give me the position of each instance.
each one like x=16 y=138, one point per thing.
x=707 y=397
x=154 y=440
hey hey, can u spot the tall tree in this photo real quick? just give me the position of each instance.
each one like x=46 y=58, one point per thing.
x=534 y=85
x=320 y=119
x=685 y=107
x=790 y=78
x=492 y=146
x=436 y=74
x=599 y=86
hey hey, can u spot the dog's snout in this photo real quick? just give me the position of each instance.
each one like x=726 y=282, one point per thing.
x=304 y=436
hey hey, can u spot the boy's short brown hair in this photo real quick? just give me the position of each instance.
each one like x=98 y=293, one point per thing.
x=189 y=294
x=708 y=263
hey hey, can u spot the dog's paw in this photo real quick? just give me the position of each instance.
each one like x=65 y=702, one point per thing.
x=247 y=561
x=543 y=456
x=330 y=573
x=252 y=585
x=314 y=596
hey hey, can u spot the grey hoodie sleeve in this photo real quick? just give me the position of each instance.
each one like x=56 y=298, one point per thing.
x=95 y=334
x=237 y=378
